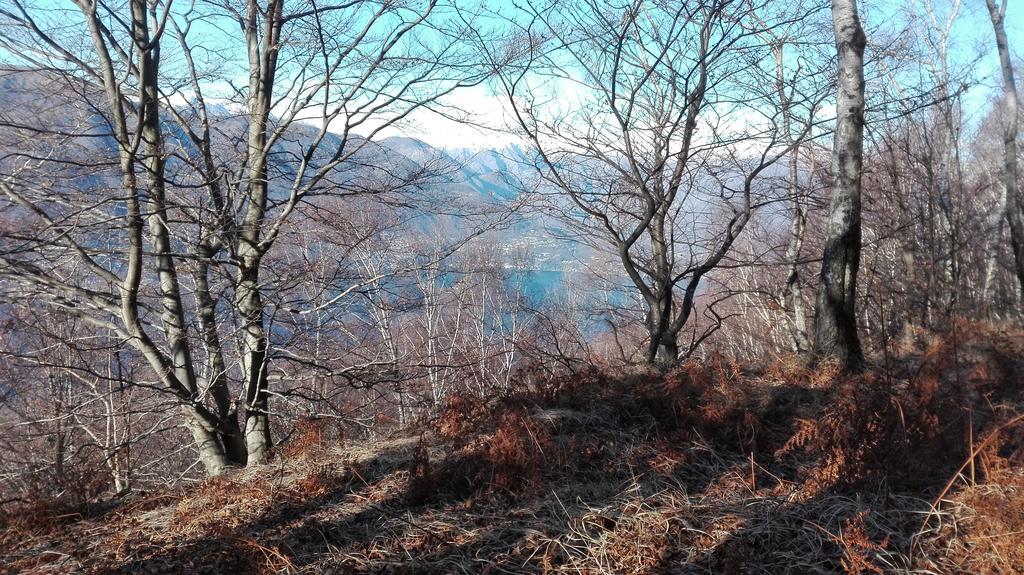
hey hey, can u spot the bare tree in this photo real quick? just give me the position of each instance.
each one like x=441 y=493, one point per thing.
x=212 y=193
x=835 y=327
x=655 y=122
x=1014 y=215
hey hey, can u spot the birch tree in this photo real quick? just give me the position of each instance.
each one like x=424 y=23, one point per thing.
x=835 y=326
x=1014 y=216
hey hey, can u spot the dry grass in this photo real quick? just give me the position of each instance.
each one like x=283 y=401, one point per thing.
x=708 y=469
x=979 y=530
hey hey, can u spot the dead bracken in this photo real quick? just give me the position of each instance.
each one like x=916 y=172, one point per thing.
x=706 y=469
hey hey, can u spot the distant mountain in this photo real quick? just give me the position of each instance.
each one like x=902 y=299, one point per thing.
x=467 y=176
x=496 y=172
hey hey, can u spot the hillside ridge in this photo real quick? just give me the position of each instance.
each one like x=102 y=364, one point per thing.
x=709 y=468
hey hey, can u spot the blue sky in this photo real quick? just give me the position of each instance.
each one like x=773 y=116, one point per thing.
x=973 y=46
x=972 y=37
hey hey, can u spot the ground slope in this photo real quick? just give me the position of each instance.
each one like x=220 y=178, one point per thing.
x=708 y=469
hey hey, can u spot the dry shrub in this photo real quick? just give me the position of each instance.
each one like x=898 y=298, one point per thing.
x=790 y=471
x=638 y=539
x=310 y=438
x=589 y=390
x=796 y=369
x=665 y=459
x=1005 y=452
x=50 y=503
x=318 y=483
x=851 y=440
x=518 y=452
x=712 y=400
x=633 y=534
x=221 y=503
x=858 y=547
x=262 y=560
x=77 y=482
x=981 y=533
x=423 y=482
x=220 y=551
x=994 y=535
x=459 y=417
x=824 y=375
x=510 y=458
x=911 y=434
x=788 y=368
x=33 y=518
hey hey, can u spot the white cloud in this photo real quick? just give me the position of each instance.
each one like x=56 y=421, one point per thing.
x=486 y=117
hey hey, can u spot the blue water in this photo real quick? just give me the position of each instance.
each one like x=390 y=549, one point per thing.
x=538 y=285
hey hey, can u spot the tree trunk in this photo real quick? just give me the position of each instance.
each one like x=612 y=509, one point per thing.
x=793 y=289
x=663 y=347
x=1010 y=126
x=249 y=250
x=992 y=260
x=176 y=368
x=835 y=327
x=667 y=353
x=211 y=450
x=227 y=412
x=254 y=364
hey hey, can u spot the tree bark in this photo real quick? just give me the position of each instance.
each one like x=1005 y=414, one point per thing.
x=254 y=365
x=174 y=368
x=835 y=327
x=793 y=288
x=1010 y=126
x=249 y=249
x=227 y=412
x=663 y=346
x=208 y=442
x=663 y=349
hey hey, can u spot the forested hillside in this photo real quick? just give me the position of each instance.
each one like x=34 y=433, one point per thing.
x=480 y=286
